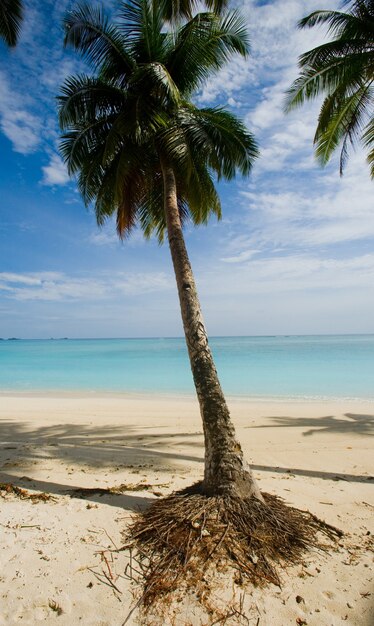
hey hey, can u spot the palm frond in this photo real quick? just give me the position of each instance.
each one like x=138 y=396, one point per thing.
x=368 y=140
x=151 y=208
x=84 y=98
x=11 y=15
x=88 y=31
x=340 y=24
x=204 y=45
x=225 y=142
x=343 y=71
x=335 y=51
x=141 y=26
x=90 y=176
x=82 y=141
x=175 y=9
x=156 y=79
x=345 y=124
x=201 y=194
x=347 y=72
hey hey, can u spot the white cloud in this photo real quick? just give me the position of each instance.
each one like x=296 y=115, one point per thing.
x=327 y=210
x=55 y=173
x=276 y=40
x=275 y=46
x=229 y=80
x=297 y=272
x=104 y=238
x=28 y=279
x=239 y=258
x=136 y=284
x=55 y=286
x=20 y=126
x=108 y=236
x=30 y=77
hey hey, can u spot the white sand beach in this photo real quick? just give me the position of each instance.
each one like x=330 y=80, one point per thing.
x=56 y=558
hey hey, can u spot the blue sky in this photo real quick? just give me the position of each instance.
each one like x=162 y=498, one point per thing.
x=293 y=253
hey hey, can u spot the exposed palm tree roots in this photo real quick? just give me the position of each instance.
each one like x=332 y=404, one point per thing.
x=178 y=539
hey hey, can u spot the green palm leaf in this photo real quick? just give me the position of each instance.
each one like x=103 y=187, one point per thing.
x=176 y=9
x=345 y=123
x=368 y=139
x=88 y=31
x=86 y=98
x=203 y=45
x=11 y=14
x=343 y=71
x=141 y=26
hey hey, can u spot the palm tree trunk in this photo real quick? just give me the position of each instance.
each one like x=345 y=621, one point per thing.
x=226 y=471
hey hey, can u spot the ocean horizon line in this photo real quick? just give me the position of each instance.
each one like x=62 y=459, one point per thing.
x=155 y=337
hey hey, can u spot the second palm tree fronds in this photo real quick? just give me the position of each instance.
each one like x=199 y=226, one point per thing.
x=343 y=71
x=142 y=151
x=11 y=12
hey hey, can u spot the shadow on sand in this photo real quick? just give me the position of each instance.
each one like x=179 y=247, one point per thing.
x=115 y=448
x=355 y=424
x=82 y=448
x=354 y=478
x=124 y=501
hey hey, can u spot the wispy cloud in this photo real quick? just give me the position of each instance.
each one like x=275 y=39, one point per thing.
x=107 y=236
x=241 y=257
x=325 y=211
x=20 y=126
x=281 y=274
x=104 y=238
x=56 y=286
x=29 y=82
x=55 y=173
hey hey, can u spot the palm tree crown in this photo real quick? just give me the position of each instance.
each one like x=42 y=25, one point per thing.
x=342 y=70
x=135 y=113
x=11 y=12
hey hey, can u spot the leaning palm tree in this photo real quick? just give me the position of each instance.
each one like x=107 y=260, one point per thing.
x=342 y=70
x=142 y=151
x=11 y=12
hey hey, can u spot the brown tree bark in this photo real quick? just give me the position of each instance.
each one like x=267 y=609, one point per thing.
x=226 y=471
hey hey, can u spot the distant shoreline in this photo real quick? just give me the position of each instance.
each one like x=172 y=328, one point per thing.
x=85 y=394
x=270 y=336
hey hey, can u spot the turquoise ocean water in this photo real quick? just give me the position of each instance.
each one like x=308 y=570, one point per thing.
x=340 y=366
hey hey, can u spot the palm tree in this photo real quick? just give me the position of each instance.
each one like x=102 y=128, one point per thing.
x=11 y=13
x=342 y=70
x=144 y=152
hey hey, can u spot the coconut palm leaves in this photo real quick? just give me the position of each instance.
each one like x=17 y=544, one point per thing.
x=11 y=12
x=174 y=9
x=342 y=70
x=135 y=113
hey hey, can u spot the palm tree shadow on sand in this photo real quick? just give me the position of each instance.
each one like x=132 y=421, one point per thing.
x=355 y=424
x=82 y=448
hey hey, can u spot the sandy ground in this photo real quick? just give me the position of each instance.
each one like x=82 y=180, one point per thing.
x=56 y=564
